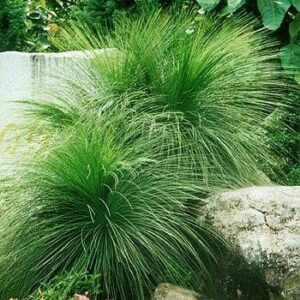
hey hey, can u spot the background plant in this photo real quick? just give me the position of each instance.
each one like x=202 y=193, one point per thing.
x=41 y=23
x=28 y=25
x=65 y=286
x=283 y=132
x=274 y=14
x=12 y=18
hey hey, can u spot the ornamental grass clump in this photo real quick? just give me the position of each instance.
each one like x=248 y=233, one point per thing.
x=137 y=136
x=101 y=201
x=211 y=83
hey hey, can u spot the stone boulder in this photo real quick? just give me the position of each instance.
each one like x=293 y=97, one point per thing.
x=167 y=291
x=263 y=225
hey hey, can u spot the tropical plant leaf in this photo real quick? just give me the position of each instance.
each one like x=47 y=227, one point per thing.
x=294 y=30
x=296 y=3
x=273 y=12
x=233 y=5
x=290 y=59
x=208 y=4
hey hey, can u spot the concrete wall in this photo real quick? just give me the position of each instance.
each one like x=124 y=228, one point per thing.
x=21 y=76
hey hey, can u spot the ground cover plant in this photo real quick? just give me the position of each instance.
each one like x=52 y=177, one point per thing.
x=138 y=137
x=68 y=285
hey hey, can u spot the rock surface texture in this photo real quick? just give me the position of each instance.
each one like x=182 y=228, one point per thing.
x=167 y=291
x=263 y=223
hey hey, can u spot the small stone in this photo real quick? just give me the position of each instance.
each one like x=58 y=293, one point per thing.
x=82 y=297
x=167 y=291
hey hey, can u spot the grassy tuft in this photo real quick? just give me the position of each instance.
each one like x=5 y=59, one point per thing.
x=211 y=83
x=100 y=201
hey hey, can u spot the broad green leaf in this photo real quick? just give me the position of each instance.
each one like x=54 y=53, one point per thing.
x=208 y=4
x=233 y=5
x=290 y=59
x=273 y=12
x=297 y=77
x=294 y=29
x=296 y=3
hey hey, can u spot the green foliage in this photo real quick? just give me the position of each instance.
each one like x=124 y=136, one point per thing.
x=296 y=3
x=96 y=11
x=291 y=60
x=40 y=22
x=102 y=200
x=208 y=4
x=198 y=81
x=27 y=25
x=12 y=17
x=138 y=136
x=273 y=12
x=65 y=286
x=102 y=12
x=283 y=132
x=283 y=16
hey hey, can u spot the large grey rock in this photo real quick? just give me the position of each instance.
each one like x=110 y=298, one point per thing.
x=167 y=291
x=263 y=223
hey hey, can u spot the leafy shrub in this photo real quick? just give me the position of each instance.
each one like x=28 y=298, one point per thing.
x=28 y=25
x=12 y=19
x=102 y=11
x=65 y=286
x=41 y=23
x=273 y=13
